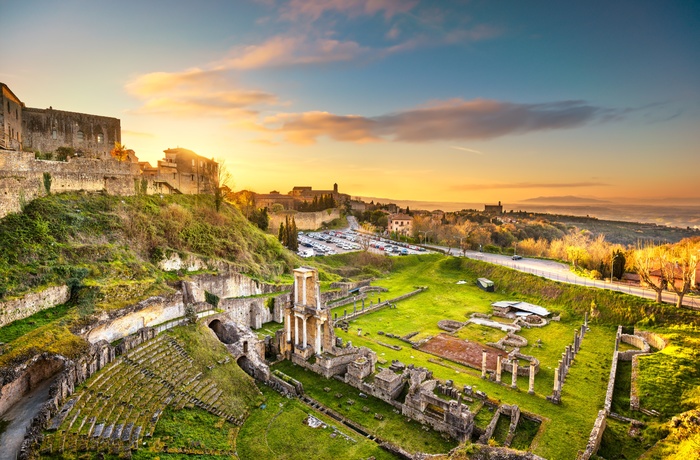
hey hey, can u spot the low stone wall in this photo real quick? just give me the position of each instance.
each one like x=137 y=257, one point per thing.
x=596 y=436
x=655 y=340
x=634 y=388
x=635 y=341
x=255 y=311
x=379 y=305
x=12 y=310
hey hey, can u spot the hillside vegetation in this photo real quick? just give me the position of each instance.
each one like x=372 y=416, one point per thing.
x=106 y=249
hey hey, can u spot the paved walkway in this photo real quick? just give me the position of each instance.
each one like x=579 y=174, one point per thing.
x=20 y=416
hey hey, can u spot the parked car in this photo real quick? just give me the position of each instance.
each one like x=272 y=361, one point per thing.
x=516 y=257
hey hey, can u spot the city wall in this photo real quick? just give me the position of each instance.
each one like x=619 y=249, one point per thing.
x=304 y=220
x=22 y=178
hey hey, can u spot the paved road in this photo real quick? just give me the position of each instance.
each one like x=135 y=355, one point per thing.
x=20 y=416
x=560 y=272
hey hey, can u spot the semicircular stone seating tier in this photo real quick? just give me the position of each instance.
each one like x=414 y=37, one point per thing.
x=118 y=407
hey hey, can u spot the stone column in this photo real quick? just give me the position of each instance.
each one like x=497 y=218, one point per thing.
x=483 y=364
x=585 y=320
x=304 y=328
x=296 y=330
x=318 y=336
x=296 y=292
x=583 y=331
x=289 y=326
x=318 y=296
x=514 y=381
x=498 y=369
x=303 y=293
x=557 y=381
x=531 y=388
x=569 y=354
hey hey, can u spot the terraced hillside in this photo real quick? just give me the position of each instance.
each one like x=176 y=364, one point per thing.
x=119 y=408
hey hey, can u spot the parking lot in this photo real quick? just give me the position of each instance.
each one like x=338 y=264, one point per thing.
x=337 y=242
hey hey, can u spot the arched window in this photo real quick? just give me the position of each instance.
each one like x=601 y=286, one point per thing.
x=81 y=136
x=100 y=138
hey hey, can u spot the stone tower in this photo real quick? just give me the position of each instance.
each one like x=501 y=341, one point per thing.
x=307 y=321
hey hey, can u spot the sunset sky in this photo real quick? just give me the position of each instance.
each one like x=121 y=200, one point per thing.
x=469 y=101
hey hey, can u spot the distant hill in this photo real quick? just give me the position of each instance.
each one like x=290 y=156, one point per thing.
x=568 y=199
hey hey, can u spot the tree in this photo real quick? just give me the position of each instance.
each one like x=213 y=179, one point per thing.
x=647 y=259
x=120 y=152
x=281 y=235
x=221 y=182
x=680 y=268
x=292 y=238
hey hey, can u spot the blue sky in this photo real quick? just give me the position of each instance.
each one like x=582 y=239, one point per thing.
x=451 y=101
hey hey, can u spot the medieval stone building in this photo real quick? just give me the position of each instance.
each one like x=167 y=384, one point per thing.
x=45 y=130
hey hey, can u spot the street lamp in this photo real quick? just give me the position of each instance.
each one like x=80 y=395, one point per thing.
x=425 y=233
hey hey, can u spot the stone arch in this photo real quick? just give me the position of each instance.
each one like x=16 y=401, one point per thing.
x=246 y=364
x=225 y=332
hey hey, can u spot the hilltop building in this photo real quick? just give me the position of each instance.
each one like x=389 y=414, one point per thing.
x=493 y=208
x=182 y=171
x=401 y=224
x=298 y=194
x=24 y=131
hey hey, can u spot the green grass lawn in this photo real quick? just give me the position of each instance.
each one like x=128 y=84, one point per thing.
x=394 y=428
x=277 y=431
x=583 y=392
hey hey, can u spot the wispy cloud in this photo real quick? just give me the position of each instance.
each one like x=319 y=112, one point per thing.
x=527 y=185
x=464 y=149
x=313 y=10
x=455 y=119
x=283 y=51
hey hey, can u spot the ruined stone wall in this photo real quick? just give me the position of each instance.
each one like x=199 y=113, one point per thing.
x=12 y=310
x=231 y=284
x=48 y=129
x=17 y=382
x=252 y=312
x=303 y=220
x=22 y=177
x=655 y=340
x=148 y=313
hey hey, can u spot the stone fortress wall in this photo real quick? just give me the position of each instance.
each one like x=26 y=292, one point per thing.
x=22 y=177
x=304 y=220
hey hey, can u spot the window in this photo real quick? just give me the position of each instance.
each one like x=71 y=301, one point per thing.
x=100 y=138
x=81 y=135
x=193 y=162
x=192 y=178
x=54 y=134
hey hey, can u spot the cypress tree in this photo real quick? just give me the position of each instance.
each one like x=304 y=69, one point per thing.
x=280 y=234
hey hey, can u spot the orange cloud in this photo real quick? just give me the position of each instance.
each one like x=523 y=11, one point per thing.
x=282 y=51
x=195 y=92
x=306 y=128
x=438 y=121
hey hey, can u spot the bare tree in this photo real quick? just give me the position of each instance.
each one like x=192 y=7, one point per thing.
x=221 y=182
x=648 y=259
x=680 y=268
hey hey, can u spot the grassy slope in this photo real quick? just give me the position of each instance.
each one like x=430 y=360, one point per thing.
x=103 y=246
